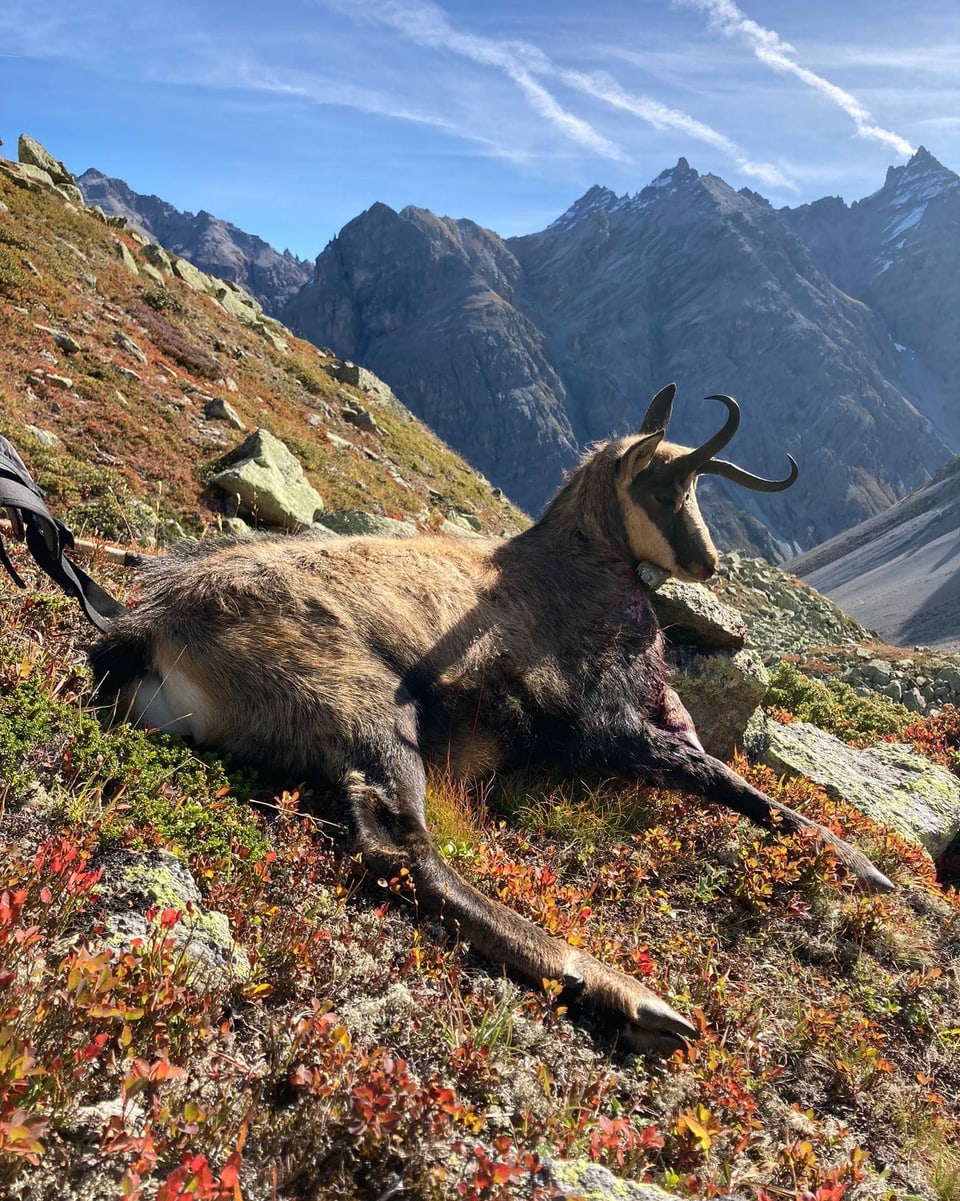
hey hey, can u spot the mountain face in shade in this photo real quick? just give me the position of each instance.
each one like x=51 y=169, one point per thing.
x=520 y=351
x=212 y=245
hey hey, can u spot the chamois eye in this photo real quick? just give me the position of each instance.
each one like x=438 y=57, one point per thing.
x=667 y=499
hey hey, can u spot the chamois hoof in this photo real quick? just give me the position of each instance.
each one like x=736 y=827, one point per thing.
x=870 y=878
x=645 y=1021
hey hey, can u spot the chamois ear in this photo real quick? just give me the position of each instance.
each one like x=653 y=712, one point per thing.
x=637 y=456
x=657 y=416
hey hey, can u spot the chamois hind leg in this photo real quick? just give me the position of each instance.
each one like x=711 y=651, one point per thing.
x=385 y=799
x=672 y=760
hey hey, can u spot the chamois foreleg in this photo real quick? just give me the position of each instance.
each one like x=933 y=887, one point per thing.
x=670 y=758
x=385 y=799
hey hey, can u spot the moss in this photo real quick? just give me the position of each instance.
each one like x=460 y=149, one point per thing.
x=146 y=789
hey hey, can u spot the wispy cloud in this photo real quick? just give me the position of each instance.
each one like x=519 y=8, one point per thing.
x=768 y=48
x=603 y=87
x=425 y=24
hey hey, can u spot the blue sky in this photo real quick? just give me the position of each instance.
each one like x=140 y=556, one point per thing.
x=290 y=118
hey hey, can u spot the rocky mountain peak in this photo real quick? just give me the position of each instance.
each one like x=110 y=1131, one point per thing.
x=596 y=199
x=918 y=181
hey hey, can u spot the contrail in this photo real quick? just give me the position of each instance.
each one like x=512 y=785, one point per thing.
x=725 y=16
x=601 y=86
x=425 y=24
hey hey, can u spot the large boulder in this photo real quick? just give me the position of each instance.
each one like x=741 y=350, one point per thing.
x=268 y=483
x=888 y=782
x=720 y=683
x=691 y=615
x=30 y=151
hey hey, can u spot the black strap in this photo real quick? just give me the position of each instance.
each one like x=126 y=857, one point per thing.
x=47 y=539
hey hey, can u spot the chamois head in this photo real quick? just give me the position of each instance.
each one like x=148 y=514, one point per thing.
x=656 y=484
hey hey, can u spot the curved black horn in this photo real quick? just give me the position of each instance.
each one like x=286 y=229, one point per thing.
x=695 y=460
x=736 y=475
x=657 y=415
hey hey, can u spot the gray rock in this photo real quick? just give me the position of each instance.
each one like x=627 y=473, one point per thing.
x=44 y=437
x=197 y=280
x=67 y=344
x=583 y=1180
x=126 y=257
x=218 y=409
x=692 y=615
x=357 y=415
x=157 y=257
x=133 y=882
x=721 y=689
x=29 y=150
x=888 y=782
x=127 y=343
x=269 y=483
x=355 y=521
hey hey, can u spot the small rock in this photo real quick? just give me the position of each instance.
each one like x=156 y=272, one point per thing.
x=44 y=437
x=59 y=381
x=66 y=343
x=127 y=343
x=218 y=409
x=355 y=521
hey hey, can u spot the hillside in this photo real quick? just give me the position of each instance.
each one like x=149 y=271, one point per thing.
x=899 y=573
x=519 y=350
x=121 y=367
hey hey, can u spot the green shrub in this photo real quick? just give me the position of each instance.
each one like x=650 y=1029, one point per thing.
x=835 y=707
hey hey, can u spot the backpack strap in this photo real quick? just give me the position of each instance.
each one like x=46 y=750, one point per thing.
x=47 y=540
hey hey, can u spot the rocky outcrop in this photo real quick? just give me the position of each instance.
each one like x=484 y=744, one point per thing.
x=888 y=782
x=266 y=483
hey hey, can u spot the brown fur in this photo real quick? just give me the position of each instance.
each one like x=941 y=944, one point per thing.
x=358 y=660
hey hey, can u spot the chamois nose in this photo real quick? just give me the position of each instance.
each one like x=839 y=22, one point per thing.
x=703 y=571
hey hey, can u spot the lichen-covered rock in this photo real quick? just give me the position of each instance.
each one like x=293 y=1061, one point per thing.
x=692 y=615
x=355 y=521
x=126 y=257
x=888 y=782
x=268 y=483
x=193 y=278
x=721 y=689
x=135 y=882
x=583 y=1180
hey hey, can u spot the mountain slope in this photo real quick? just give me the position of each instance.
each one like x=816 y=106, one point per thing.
x=117 y=374
x=428 y=303
x=212 y=245
x=518 y=351
x=899 y=573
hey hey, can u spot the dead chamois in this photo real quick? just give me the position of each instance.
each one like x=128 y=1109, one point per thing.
x=358 y=661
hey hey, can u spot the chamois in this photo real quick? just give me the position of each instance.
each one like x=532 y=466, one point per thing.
x=357 y=661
